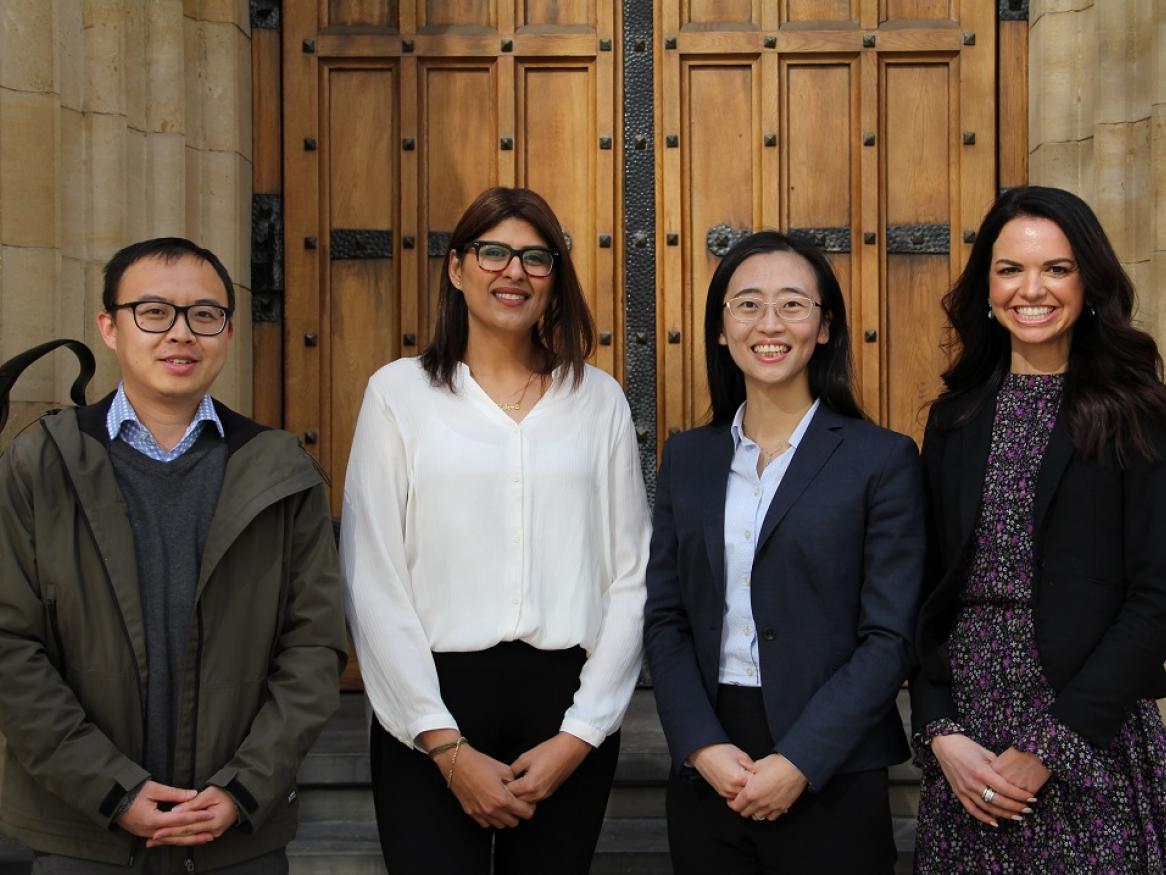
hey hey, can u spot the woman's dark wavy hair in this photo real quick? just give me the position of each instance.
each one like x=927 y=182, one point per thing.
x=565 y=336
x=1113 y=386
x=831 y=369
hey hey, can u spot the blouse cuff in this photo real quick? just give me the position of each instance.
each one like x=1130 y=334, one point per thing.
x=430 y=721
x=1063 y=752
x=921 y=742
x=584 y=731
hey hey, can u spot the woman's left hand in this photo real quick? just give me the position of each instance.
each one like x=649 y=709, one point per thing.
x=545 y=766
x=774 y=786
x=1022 y=769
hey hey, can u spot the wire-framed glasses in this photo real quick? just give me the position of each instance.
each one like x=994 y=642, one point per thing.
x=157 y=317
x=789 y=308
x=493 y=256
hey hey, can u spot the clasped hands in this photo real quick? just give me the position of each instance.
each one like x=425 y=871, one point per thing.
x=1013 y=776
x=498 y=795
x=761 y=789
x=195 y=818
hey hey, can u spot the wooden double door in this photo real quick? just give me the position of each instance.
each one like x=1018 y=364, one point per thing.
x=882 y=129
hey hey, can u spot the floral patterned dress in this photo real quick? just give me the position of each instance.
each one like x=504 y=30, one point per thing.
x=1102 y=811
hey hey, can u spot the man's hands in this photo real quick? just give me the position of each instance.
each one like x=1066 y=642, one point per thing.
x=195 y=819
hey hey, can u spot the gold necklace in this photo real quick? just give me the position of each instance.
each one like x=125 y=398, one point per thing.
x=517 y=405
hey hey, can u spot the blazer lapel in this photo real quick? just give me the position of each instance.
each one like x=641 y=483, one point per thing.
x=714 y=482
x=1052 y=466
x=817 y=445
x=973 y=462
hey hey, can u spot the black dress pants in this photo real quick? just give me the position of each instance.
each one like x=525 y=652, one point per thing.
x=506 y=700
x=843 y=829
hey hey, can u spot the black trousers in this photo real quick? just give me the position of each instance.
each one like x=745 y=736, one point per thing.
x=843 y=829
x=506 y=700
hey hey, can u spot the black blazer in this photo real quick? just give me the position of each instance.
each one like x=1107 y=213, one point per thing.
x=1100 y=570
x=836 y=579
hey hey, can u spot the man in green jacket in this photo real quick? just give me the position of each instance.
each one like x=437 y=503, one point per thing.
x=171 y=626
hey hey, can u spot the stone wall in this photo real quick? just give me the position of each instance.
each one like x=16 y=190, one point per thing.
x=1097 y=125
x=119 y=120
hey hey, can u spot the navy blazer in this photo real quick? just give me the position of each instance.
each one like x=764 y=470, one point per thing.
x=1099 y=557
x=835 y=584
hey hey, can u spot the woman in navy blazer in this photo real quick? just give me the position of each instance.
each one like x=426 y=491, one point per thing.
x=1043 y=630
x=786 y=561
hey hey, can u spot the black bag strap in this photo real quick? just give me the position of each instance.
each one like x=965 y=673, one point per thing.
x=15 y=366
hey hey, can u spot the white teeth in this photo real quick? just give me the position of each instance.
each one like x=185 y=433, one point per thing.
x=1033 y=312
x=770 y=348
x=509 y=296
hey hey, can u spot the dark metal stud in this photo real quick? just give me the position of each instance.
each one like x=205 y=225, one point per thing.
x=640 y=45
x=669 y=42
x=917 y=238
x=309 y=46
x=640 y=141
x=868 y=139
x=969 y=38
x=641 y=338
x=770 y=139
x=507 y=144
x=642 y=434
x=408 y=242
x=870 y=335
x=311 y=437
x=311 y=339
x=508 y=45
x=771 y=41
x=673 y=335
x=605 y=45
x=969 y=236
x=868 y=40
x=673 y=239
x=969 y=138
x=310 y=243
x=869 y=237
x=605 y=241
x=672 y=141
x=605 y=338
x=409 y=340
x=310 y=144
x=407 y=46
x=639 y=240
x=605 y=142
x=408 y=144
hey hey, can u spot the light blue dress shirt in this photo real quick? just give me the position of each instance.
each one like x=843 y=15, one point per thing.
x=122 y=422
x=747 y=499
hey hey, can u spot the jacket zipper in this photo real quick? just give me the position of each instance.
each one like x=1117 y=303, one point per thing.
x=194 y=718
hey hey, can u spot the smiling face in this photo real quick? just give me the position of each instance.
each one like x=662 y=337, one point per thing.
x=173 y=369
x=1036 y=293
x=509 y=300
x=773 y=354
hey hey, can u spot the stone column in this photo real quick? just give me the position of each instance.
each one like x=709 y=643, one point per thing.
x=119 y=120
x=1097 y=125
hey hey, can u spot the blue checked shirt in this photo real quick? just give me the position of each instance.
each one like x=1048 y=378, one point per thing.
x=122 y=422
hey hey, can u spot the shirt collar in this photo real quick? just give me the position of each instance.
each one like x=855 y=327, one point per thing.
x=738 y=431
x=121 y=412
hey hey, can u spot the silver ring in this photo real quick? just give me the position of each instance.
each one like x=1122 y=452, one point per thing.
x=988 y=795
x=759 y=817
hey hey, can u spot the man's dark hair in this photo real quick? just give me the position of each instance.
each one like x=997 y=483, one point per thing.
x=168 y=249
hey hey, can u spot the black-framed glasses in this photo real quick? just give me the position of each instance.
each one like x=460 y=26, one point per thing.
x=789 y=308
x=493 y=256
x=157 y=317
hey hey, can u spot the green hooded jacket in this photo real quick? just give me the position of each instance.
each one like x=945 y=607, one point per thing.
x=261 y=673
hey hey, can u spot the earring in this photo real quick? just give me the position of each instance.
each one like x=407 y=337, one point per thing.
x=1092 y=310
x=991 y=315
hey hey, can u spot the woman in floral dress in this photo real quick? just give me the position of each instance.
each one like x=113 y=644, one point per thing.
x=1043 y=632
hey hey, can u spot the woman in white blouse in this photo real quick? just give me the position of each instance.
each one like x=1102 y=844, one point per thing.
x=493 y=545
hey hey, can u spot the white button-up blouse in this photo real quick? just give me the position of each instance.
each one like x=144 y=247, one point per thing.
x=462 y=529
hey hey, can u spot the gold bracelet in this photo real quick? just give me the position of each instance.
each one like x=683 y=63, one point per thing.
x=457 y=745
x=442 y=748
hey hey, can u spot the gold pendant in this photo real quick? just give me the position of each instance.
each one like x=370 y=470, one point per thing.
x=509 y=408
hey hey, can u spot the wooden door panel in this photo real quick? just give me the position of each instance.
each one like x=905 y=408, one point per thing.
x=360 y=283
x=556 y=12
x=706 y=12
x=820 y=10
x=362 y=13
x=919 y=132
x=444 y=13
x=919 y=10
x=460 y=136
x=820 y=165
